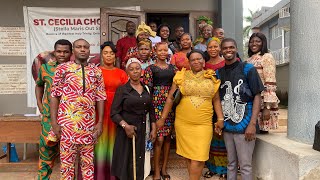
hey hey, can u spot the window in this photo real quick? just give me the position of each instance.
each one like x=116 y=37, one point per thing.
x=275 y=32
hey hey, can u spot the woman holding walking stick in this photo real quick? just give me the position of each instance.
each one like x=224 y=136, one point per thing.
x=132 y=111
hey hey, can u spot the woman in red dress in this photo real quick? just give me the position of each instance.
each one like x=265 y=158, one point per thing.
x=113 y=78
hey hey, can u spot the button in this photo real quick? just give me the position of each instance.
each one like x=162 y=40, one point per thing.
x=144 y=103
x=140 y=96
x=139 y=157
x=143 y=122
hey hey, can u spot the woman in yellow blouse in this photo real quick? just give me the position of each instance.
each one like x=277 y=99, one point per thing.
x=266 y=67
x=193 y=122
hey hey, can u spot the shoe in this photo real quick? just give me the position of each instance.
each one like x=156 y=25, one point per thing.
x=223 y=176
x=208 y=174
x=165 y=176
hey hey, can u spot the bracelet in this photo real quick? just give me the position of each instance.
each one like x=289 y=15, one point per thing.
x=220 y=119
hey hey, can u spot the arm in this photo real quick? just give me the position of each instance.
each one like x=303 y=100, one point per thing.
x=115 y=113
x=118 y=54
x=56 y=93
x=218 y=110
x=152 y=117
x=39 y=91
x=99 y=125
x=54 y=105
x=168 y=106
x=256 y=88
x=251 y=128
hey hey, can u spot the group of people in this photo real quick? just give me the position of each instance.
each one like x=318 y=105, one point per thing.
x=97 y=111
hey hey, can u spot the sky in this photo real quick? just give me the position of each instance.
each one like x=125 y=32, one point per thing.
x=257 y=4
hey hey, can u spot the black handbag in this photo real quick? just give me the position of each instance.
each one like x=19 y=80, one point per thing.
x=177 y=97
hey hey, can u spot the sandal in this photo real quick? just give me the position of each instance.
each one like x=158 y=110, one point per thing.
x=223 y=176
x=208 y=174
x=165 y=176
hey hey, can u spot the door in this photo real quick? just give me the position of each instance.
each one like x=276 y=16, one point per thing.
x=113 y=22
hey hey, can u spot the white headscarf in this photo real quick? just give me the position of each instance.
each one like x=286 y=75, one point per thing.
x=132 y=60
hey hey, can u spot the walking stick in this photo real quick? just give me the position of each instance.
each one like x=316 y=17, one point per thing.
x=134 y=157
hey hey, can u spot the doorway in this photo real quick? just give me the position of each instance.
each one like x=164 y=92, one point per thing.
x=172 y=19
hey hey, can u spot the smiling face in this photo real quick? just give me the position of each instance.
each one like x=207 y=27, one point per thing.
x=196 y=62
x=206 y=32
x=213 y=49
x=108 y=56
x=229 y=51
x=162 y=51
x=164 y=32
x=62 y=53
x=185 y=41
x=134 y=71
x=219 y=33
x=255 y=44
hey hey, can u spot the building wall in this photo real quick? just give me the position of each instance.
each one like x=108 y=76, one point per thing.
x=283 y=78
x=13 y=12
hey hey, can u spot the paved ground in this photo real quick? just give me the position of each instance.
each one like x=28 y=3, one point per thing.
x=27 y=169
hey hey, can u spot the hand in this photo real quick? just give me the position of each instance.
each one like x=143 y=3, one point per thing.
x=153 y=135
x=97 y=131
x=130 y=130
x=266 y=114
x=160 y=123
x=41 y=109
x=250 y=133
x=56 y=129
x=218 y=126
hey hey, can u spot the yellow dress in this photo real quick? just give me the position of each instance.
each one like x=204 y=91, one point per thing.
x=193 y=123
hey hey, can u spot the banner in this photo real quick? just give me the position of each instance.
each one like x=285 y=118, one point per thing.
x=44 y=26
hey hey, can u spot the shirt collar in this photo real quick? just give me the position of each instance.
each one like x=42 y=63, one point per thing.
x=130 y=88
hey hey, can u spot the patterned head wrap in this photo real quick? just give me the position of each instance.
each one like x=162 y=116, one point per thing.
x=145 y=28
x=213 y=39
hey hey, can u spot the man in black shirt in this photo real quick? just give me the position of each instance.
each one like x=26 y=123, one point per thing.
x=240 y=99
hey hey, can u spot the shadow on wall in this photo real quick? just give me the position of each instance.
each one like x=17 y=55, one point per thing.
x=283 y=97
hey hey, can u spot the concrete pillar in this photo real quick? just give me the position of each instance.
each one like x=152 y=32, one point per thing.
x=232 y=21
x=304 y=72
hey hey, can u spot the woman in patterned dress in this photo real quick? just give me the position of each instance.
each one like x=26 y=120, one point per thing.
x=218 y=161
x=266 y=67
x=159 y=78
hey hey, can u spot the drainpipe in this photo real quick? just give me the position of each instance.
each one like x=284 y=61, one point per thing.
x=282 y=45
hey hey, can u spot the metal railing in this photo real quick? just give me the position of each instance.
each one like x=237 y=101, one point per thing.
x=281 y=56
x=284 y=12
